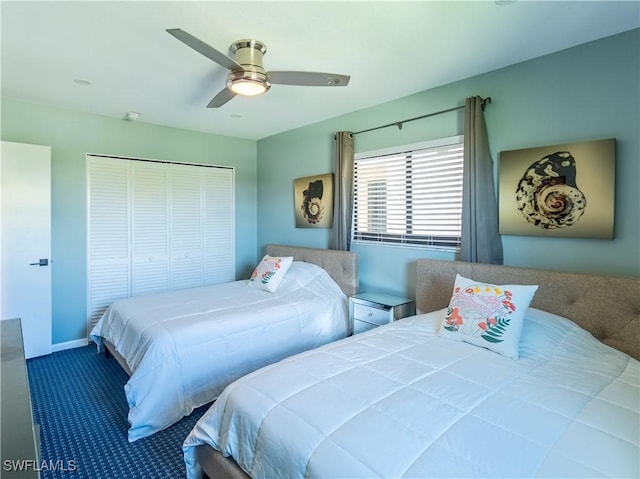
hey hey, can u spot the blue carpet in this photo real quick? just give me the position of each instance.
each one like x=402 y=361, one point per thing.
x=79 y=402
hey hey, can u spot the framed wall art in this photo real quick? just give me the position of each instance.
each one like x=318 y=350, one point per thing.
x=564 y=190
x=313 y=201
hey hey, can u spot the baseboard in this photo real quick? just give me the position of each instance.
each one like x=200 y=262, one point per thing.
x=78 y=343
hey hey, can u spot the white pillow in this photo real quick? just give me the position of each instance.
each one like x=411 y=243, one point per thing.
x=487 y=315
x=270 y=271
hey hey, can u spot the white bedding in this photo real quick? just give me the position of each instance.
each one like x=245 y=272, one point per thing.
x=183 y=347
x=399 y=401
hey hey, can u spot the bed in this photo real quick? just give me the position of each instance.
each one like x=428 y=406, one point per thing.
x=182 y=348
x=403 y=401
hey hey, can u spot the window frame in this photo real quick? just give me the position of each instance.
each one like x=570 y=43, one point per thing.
x=372 y=238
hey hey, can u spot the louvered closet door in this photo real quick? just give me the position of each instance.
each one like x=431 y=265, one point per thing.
x=186 y=226
x=219 y=252
x=150 y=227
x=108 y=258
x=155 y=226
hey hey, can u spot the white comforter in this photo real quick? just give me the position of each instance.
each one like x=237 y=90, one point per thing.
x=185 y=346
x=399 y=401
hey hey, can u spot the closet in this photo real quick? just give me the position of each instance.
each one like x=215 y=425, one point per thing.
x=156 y=226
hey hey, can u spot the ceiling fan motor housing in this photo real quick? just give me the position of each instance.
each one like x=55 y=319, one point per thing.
x=249 y=54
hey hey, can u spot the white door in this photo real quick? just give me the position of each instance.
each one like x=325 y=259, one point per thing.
x=25 y=252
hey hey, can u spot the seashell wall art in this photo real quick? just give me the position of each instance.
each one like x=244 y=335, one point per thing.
x=313 y=201
x=564 y=190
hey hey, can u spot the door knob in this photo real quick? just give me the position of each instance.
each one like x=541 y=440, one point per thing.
x=42 y=262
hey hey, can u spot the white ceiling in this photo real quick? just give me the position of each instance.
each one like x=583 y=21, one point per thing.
x=390 y=49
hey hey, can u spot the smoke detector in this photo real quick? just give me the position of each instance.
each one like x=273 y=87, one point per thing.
x=132 y=116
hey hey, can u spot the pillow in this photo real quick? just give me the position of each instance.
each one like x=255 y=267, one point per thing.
x=487 y=315
x=270 y=272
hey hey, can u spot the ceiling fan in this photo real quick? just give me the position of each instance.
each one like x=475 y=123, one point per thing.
x=247 y=76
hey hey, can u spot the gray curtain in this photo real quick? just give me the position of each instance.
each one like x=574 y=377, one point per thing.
x=343 y=192
x=481 y=242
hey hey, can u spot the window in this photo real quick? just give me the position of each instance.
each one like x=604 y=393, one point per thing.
x=410 y=195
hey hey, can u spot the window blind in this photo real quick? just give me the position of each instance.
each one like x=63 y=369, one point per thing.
x=411 y=197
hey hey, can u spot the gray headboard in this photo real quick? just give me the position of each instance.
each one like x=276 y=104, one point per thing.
x=342 y=266
x=607 y=306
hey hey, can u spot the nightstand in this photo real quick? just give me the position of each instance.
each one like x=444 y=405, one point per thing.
x=370 y=310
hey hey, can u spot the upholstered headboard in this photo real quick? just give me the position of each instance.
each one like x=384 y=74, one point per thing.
x=342 y=266
x=607 y=306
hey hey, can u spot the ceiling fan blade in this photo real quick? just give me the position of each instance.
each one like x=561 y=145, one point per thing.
x=308 y=78
x=221 y=98
x=204 y=49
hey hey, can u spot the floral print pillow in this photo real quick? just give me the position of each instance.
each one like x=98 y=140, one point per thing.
x=488 y=315
x=269 y=273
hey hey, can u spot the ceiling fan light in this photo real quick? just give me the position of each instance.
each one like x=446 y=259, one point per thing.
x=248 y=83
x=247 y=87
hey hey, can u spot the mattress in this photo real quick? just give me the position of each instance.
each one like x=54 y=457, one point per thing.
x=400 y=401
x=184 y=347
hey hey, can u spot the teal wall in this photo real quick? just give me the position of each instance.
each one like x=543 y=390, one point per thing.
x=71 y=135
x=584 y=93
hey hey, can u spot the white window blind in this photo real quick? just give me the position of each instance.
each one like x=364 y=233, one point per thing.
x=410 y=196
x=156 y=226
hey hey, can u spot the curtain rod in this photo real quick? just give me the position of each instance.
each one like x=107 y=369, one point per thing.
x=485 y=102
